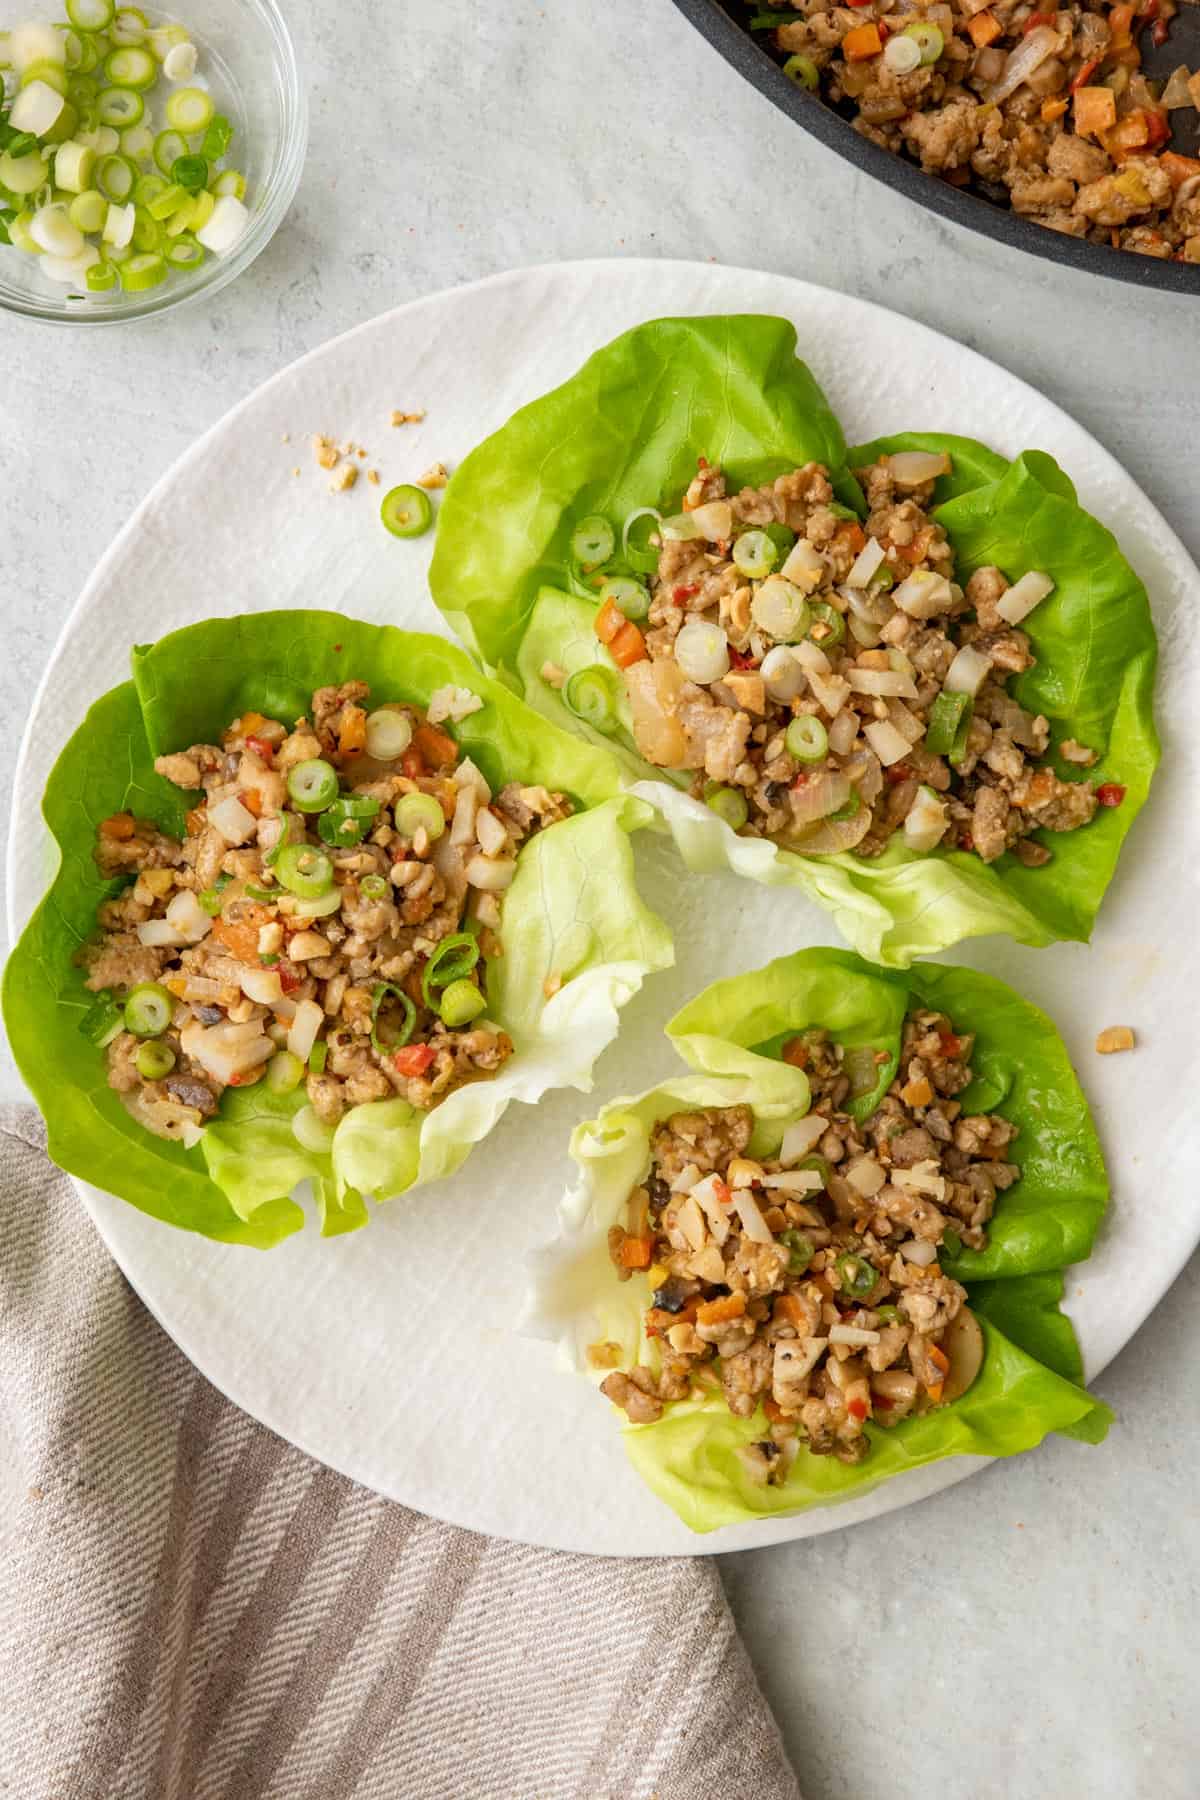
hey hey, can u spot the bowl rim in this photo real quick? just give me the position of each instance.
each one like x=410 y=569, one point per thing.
x=264 y=221
x=752 y=61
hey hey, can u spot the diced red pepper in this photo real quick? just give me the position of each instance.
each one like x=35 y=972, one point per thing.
x=1160 y=33
x=722 y=1191
x=413 y=764
x=857 y=1408
x=742 y=659
x=951 y=1045
x=966 y=841
x=1150 y=10
x=290 y=977
x=261 y=749
x=685 y=591
x=899 y=772
x=795 y=1053
x=1034 y=20
x=1160 y=129
x=702 y=462
x=437 y=747
x=1085 y=74
x=413 y=1059
x=1111 y=794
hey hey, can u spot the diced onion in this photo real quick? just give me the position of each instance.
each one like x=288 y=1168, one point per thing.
x=227 y=1051
x=160 y=934
x=819 y=796
x=871 y=555
x=779 y=608
x=225 y=227
x=805 y=566
x=912 y=468
x=811 y=657
x=920 y=1252
x=468 y=774
x=690 y=1221
x=783 y=675
x=681 y=528
x=923 y=594
x=883 y=682
x=887 y=743
x=702 y=651
x=1028 y=56
x=1023 y=596
x=795 y=1181
x=829 y=836
x=968 y=672
x=852 y=1334
x=753 y=1223
x=713 y=520
x=491 y=874
x=926 y=824
x=302 y=1034
x=800 y=1137
x=686 y=1179
x=188 y=916
x=842 y=732
x=263 y=986
x=717 y=1215
x=36 y=108
x=830 y=691
x=865 y=1176
x=388 y=734
x=232 y=820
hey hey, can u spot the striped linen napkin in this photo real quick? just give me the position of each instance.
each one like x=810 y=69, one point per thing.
x=194 y=1610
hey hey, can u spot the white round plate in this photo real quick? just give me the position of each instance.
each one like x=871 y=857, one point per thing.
x=388 y=1354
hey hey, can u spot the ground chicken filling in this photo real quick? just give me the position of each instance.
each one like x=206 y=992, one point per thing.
x=808 y=1283
x=327 y=919
x=831 y=684
x=1046 y=111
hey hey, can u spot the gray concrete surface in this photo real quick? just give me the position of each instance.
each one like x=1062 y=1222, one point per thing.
x=1026 y=1636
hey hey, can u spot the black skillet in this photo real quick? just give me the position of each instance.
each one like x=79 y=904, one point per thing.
x=722 y=22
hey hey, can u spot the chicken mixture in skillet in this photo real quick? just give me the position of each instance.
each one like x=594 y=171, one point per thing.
x=807 y=1282
x=831 y=684
x=327 y=918
x=1047 y=110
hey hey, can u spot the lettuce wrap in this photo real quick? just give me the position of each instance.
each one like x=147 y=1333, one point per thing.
x=1030 y=1381
x=573 y=927
x=626 y=432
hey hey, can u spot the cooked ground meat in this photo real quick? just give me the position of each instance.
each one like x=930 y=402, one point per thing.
x=295 y=930
x=809 y=1284
x=815 y=675
x=1080 y=144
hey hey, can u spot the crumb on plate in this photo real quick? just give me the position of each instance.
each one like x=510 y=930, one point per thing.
x=1114 y=1039
x=436 y=476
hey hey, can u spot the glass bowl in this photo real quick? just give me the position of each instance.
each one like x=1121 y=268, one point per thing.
x=248 y=60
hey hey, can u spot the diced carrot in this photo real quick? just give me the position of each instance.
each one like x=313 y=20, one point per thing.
x=437 y=748
x=984 y=28
x=860 y=42
x=118 y=826
x=247 y=725
x=251 y=799
x=608 y=621
x=240 y=938
x=628 y=646
x=938 y=1356
x=852 y=534
x=772 y=1408
x=795 y=1052
x=1052 y=109
x=637 y=1253
x=935 y=1392
x=721 y=1311
x=195 y=820
x=917 y=1093
x=788 y=1308
x=352 y=734
x=1179 y=168
x=1095 y=111
x=1159 y=128
x=1120 y=25
x=915 y=552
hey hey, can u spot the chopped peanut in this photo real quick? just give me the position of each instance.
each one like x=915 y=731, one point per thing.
x=436 y=476
x=408 y=418
x=1115 y=1039
x=345 y=478
x=325 y=451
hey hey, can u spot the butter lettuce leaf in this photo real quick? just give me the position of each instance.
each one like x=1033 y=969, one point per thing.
x=578 y=940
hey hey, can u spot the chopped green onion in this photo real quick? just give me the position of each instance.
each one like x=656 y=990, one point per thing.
x=73 y=165
x=65 y=126
x=627 y=595
x=406 y=511
x=142 y=272
x=184 y=252
x=803 y=71
x=782 y=536
x=453 y=960
x=592 y=542
x=130 y=25
x=385 y=990
x=52 y=74
x=148 y=1009
x=285 y=1072
x=168 y=200
x=18 y=231
x=210 y=898
x=189 y=110
x=120 y=107
x=22 y=175
x=203 y=207
x=154 y=1060
x=419 y=812
x=728 y=803
x=816 y=1165
x=825 y=615
x=348 y=820
x=305 y=871
x=313 y=785
x=218 y=135
x=951 y=1243
x=5 y=217
x=23 y=143
x=149 y=187
x=191 y=172
x=638 y=551
x=800 y=1248
x=755 y=555
x=137 y=141
x=101 y=277
x=858 y=1276
x=591 y=694
x=841 y=512
x=460 y=1003
x=132 y=67
x=83 y=91
x=147 y=232
x=116 y=178
x=318 y=1056
x=103 y=1020
x=928 y=39
x=91 y=15
x=807 y=739
x=849 y=809
x=268 y=895
x=945 y=718
x=374 y=887
x=887 y=1315
x=229 y=182
x=168 y=146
